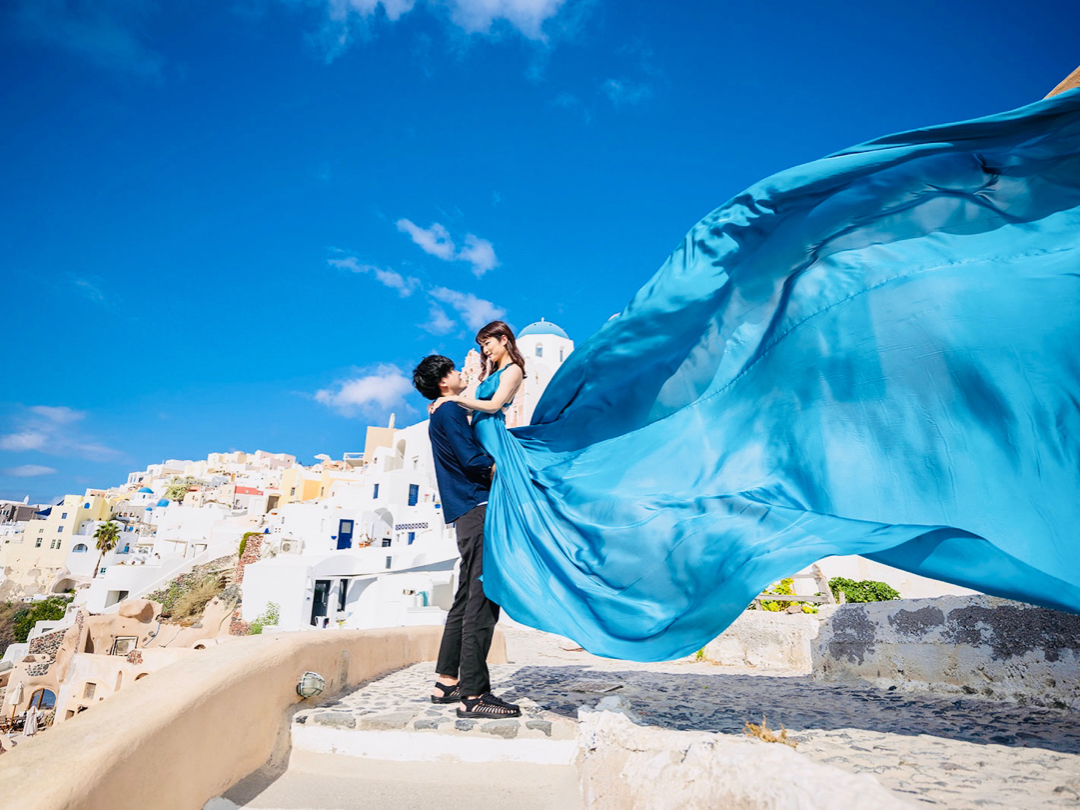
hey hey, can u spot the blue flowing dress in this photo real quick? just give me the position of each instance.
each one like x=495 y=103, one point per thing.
x=876 y=353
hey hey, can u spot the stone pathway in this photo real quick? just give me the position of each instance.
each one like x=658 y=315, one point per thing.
x=939 y=751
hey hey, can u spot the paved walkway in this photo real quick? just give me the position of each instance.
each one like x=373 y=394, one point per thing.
x=939 y=751
x=328 y=782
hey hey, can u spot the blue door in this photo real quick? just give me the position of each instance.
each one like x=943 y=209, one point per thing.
x=344 y=535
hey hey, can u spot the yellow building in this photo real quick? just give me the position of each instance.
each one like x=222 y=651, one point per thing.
x=298 y=485
x=33 y=559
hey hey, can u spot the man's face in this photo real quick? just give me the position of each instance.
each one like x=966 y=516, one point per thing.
x=452 y=383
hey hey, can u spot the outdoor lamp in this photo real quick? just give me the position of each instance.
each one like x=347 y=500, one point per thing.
x=311 y=684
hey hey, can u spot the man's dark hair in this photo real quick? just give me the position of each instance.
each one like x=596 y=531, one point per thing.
x=429 y=373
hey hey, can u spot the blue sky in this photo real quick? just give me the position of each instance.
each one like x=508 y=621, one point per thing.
x=240 y=224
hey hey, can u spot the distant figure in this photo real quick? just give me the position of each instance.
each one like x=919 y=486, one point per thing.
x=464 y=472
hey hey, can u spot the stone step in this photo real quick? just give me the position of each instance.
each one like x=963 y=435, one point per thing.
x=327 y=782
x=433 y=746
x=393 y=719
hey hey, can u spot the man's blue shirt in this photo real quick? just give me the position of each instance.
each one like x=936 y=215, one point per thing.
x=462 y=468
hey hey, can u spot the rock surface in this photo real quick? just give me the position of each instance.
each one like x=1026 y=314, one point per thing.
x=954 y=752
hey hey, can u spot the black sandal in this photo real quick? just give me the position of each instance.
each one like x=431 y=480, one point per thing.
x=450 y=694
x=487 y=706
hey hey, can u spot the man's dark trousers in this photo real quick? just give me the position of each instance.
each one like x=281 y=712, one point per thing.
x=470 y=624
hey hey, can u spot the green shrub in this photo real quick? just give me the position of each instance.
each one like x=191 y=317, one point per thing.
x=243 y=543
x=270 y=616
x=785 y=587
x=866 y=590
x=50 y=609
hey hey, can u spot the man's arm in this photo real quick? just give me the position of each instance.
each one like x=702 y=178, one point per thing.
x=460 y=439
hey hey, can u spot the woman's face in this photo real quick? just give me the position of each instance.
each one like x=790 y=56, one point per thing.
x=494 y=348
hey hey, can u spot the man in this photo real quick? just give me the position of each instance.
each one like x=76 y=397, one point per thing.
x=464 y=473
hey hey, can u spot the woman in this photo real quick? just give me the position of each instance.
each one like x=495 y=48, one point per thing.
x=872 y=354
x=501 y=376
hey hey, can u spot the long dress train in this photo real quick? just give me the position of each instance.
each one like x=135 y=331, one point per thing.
x=876 y=353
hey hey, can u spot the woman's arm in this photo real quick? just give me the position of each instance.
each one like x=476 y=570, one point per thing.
x=508 y=386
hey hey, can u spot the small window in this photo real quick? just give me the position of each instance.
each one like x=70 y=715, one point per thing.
x=414 y=494
x=38 y=543
x=389 y=561
x=63 y=516
x=343 y=590
x=123 y=645
x=386 y=542
x=376 y=492
x=80 y=549
x=59 y=528
x=562 y=354
x=43 y=699
x=88 y=690
x=539 y=351
x=292 y=491
x=86 y=506
x=101 y=570
x=412 y=536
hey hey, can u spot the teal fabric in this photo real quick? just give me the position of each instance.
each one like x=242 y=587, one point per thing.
x=877 y=353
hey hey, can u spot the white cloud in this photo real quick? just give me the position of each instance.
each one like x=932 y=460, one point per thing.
x=394 y=9
x=404 y=285
x=625 y=91
x=103 y=31
x=384 y=388
x=90 y=289
x=24 y=440
x=50 y=429
x=476 y=312
x=29 y=471
x=61 y=415
x=480 y=253
x=439 y=323
x=436 y=241
x=527 y=16
x=346 y=18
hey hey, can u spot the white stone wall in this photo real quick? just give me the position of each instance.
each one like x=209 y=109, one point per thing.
x=624 y=765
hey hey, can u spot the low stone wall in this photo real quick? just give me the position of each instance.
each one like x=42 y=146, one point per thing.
x=623 y=765
x=980 y=645
x=766 y=640
x=47 y=644
x=195 y=728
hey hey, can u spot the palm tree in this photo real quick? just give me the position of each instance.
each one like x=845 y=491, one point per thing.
x=107 y=536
